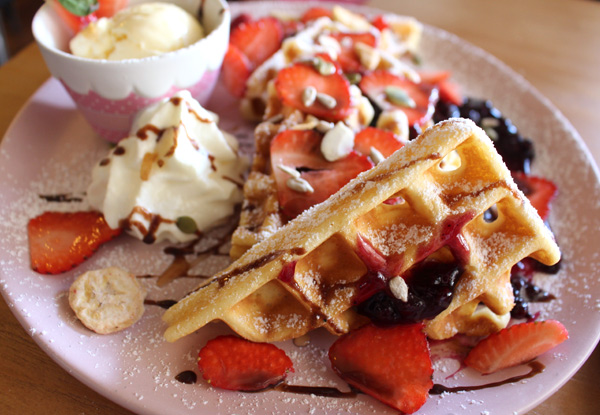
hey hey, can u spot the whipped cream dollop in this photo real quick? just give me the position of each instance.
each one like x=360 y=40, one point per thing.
x=174 y=177
x=139 y=31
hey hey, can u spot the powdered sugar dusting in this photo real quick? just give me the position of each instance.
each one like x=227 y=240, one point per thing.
x=136 y=368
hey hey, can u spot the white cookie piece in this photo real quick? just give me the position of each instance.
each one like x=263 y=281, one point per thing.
x=107 y=300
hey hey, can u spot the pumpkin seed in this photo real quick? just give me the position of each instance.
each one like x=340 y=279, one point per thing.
x=186 y=224
x=354 y=78
x=399 y=96
x=324 y=67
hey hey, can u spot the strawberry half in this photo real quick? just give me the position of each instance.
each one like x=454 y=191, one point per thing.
x=233 y=363
x=75 y=22
x=108 y=8
x=235 y=71
x=293 y=80
x=315 y=13
x=424 y=95
x=380 y=23
x=348 y=58
x=448 y=90
x=301 y=150
x=60 y=241
x=515 y=345
x=392 y=364
x=257 y=39
x=538 y=190
x=383 y=141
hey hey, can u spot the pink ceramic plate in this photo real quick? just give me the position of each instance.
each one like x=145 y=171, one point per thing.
x=50 y=150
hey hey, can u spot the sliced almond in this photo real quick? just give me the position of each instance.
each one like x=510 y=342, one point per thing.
x=353 y=20
x=368 y=55
x=338 y=142
x=147 y=162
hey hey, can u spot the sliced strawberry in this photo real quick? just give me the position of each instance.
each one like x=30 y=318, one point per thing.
x=291 y=27
x=448 y=90
x=301 y=150
x=538 y=190
x=348 y=58
x=238 y=20
x=73 y=21
x=315 y=13
x=235 y=71
x=515 y=345
x=383 y=141
x=392 y=364
x=292 y=81
x=424 y=95
x=233 y=363
x=380 y=23
x=60 y=241
x=108 y=8
x=258 y=39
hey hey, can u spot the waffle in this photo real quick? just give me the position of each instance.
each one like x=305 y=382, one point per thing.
x=308 y=273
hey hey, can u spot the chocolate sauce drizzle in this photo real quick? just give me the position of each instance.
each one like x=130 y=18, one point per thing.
x=61 y=198
x=536 y=368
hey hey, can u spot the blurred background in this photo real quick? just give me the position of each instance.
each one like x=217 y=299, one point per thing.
x=15 y=25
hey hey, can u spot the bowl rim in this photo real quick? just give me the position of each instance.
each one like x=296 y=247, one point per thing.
x=46 y=9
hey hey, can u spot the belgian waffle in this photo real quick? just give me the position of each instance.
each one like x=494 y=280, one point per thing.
x=307 y=273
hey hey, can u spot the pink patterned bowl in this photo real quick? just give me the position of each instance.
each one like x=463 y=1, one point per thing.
x=110 y=93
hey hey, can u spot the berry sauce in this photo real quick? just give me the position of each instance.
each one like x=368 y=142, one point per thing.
x=516 y=151
x=430 y=289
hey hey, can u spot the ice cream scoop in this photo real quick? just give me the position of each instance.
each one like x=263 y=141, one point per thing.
x=174 y=177
x=140 y=31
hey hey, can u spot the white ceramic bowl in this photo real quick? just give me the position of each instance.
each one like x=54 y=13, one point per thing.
x=110 y=93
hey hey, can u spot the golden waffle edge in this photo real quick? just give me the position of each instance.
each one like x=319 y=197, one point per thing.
x=249 y=296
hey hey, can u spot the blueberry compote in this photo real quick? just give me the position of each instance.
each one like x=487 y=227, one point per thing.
x=524 y=290
x=430 y=289
x=516 y=151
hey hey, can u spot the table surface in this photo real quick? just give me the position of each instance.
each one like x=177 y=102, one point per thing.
x=554 y=44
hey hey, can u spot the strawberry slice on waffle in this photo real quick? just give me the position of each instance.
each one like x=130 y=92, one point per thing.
x=292 y=81
x=300 y=150
x=419 y=99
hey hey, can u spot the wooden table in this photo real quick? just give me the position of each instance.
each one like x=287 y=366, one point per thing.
x=553 y=44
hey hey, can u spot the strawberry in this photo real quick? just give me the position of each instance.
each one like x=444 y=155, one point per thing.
x=258 y=39
x=348 y=58
x=238 y=20
x=434 y=77
x=449 y=91
x=60 y=241
x=108 y=8
x=538 y=190
x=383 y=141
x=374 y=85
x=293 y=80
x=291 y=27
x=233 y=363
x=380 y=23
x=302 y=150
x=314 y=13
x=235 y=71
x=392 y=364
x=515 y=345
x=78 y=17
